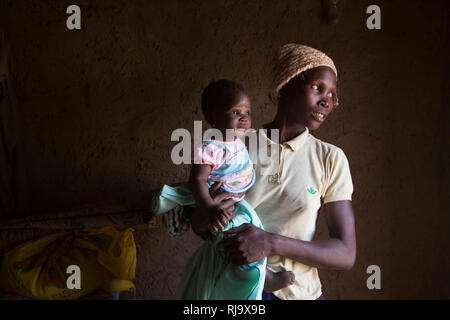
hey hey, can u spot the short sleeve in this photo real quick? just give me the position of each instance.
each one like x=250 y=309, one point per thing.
x=338 y=179
x=209 y=153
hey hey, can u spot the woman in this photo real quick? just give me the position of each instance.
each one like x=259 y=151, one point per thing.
x=305 y=172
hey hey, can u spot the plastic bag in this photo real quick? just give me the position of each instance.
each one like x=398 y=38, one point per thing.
x=106 y=258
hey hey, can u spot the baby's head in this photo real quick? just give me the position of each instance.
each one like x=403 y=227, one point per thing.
x=225 y=105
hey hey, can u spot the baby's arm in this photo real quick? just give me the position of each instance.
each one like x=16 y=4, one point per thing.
x=198 y=177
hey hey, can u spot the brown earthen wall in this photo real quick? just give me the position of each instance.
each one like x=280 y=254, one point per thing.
x=98 y=106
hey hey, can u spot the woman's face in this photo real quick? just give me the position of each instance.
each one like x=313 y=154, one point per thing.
x=310 y=98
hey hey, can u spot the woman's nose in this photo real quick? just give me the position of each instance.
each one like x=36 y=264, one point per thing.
x=324 y=103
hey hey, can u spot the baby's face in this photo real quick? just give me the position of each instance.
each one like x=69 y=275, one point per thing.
x=236 y=116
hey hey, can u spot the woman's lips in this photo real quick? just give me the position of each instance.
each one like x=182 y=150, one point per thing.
x=319 y=116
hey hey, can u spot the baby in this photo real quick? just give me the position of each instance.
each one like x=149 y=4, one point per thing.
x=223 y=160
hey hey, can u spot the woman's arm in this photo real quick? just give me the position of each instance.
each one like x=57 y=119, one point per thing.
x=338 y=252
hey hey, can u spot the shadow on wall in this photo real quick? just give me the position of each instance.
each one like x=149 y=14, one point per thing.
x=13 y=178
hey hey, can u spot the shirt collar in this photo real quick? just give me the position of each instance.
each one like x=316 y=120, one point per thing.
x=293 y=144
x=296 y=143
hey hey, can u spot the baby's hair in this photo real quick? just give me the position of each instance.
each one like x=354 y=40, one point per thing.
x=216 y=92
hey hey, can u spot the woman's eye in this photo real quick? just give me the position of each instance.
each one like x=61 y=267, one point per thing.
x=331 y=94
x=234 y=112
x=315 y=86
x=247 y=113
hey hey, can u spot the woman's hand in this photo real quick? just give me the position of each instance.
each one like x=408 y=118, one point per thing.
x=338 y=252
x=206 y=218
x=223 y=210
x=250 y=244
x=220 y=217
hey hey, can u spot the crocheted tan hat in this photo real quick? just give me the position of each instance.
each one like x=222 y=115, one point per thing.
x=292 y=60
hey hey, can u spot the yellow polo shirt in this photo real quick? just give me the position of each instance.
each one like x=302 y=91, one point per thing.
x=287 y=200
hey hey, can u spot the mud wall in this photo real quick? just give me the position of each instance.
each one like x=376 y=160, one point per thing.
x=98 y=106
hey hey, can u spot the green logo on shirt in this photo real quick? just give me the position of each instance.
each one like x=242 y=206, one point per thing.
x=311 y=190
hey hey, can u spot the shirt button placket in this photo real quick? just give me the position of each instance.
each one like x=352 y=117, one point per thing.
x=280 y=164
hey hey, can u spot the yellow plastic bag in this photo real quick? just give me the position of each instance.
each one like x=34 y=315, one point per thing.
x=106 y=258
